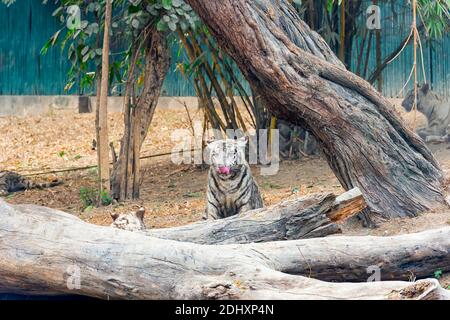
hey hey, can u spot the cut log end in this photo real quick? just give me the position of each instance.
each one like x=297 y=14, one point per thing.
x=429 y=289
x=347 y=205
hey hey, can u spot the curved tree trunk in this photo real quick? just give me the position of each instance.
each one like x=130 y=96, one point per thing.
x=365 y=143
x=125 y=181
x=44 y=251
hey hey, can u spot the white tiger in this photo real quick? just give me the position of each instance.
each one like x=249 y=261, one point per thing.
x=231 y=187
x=434 y=107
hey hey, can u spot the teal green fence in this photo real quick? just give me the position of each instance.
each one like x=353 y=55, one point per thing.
x=396 y=24
x=26 y=25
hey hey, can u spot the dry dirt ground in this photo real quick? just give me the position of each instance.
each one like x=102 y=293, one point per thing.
x=172 y=194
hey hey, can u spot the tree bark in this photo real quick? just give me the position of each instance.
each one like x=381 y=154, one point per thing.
x=42 y=251
x=102 y=128
x=306 y=217
x=126 y=171
x=365 y=143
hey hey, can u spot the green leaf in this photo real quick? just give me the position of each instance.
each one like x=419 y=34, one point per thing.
x=57 y=11
x=46 y=46
x=76 y=34
x=135 y=23
x=84 y=50
x=167 y=4
x=438 y=274
x=72 y=54
x=172 y=26
x=85 y=58
x=193 y=66
x=152 y=10
x=88 y=208
x=84 y=24
x=177 y=3
x=92 y=28
x=183 y=26
x=69 y=86
x=161 y=26
x=50 y=42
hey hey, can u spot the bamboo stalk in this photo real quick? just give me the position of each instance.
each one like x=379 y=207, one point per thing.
x=202 y=87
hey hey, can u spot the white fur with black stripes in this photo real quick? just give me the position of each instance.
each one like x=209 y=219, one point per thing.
x=231 y=186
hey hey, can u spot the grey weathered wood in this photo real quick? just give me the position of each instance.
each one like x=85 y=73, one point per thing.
x=364 y=141
x=40 y=248
x=306 y=217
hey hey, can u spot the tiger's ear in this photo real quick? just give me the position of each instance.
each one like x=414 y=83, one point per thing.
x=425 y=88
x=242 y=142
x=140 y=214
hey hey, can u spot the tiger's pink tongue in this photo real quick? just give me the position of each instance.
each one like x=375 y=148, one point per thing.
x=224 y=170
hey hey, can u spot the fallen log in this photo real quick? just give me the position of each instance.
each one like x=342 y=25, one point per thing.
x=44 y=251
x=311 y=216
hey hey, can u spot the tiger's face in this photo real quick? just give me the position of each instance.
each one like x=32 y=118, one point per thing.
x=422 y=94
x=133 y=221
x=227 y=156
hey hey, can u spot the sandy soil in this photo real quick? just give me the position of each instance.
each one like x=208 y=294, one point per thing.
x=172 y=194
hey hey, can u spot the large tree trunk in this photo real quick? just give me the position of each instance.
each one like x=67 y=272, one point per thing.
x=138 y=117
x=365 y=143
x=43 y=251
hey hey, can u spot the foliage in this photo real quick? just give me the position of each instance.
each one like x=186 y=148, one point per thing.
x=435 y=16
x=105 y=198
x=438 y=274
x=90 y=197
x=8 y=2
x=131 y=21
